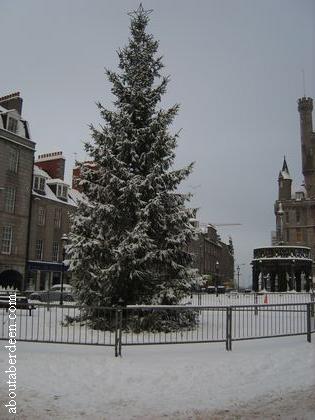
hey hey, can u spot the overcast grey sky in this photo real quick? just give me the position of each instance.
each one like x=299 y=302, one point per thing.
x=236 y=69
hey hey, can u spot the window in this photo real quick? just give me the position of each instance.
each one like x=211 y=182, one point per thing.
x=9 y=203
x=41 y=216
x=55 y=251
x=6 y=240
x=299 y=235
x=288 y=235
x=39 y=249
x=298 y=215
x=13 y=159
x=12 y=125
x=57 y=218
x=62 y=191
x=39 y=183
x=287 y=218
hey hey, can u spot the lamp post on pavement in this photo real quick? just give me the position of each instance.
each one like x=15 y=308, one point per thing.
x=64 y=240
x=217 y=264
x=238 y=278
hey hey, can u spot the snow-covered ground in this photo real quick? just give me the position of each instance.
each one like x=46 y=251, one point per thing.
x=272 y=378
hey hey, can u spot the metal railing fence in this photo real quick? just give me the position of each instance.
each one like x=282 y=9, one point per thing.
x=66 y=324
x=228 y=299
x=148 y=325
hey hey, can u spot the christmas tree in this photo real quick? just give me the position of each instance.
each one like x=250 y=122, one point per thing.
x=128 y=242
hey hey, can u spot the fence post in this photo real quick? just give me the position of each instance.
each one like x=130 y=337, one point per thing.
x=120 y=318
x=228 y=341
x=308 y=322
x=199 y=298
x=48 y=301
x=117 y=332
x=255 y=300
x=312 y=303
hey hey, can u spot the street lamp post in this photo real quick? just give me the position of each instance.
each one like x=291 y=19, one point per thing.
x=293 y=278
x=64 y=240
x=217 y=277
x=238 y=278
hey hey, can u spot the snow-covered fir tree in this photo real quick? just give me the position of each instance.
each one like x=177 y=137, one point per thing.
x=128 y=241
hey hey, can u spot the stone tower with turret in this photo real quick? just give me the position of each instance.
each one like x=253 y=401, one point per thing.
x=284 y=182
x=295 y=210
x=305 y=107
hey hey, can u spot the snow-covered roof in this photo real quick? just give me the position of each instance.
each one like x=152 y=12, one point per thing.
x=22 y=127
x=284 y=173
x=74 y=196
x=298 y=189
x=40 y=172
x=57 y=181
x=283 y=246
x=49 y=195
x=279 y=257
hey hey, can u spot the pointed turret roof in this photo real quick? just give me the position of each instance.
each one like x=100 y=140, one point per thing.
x=284 y=173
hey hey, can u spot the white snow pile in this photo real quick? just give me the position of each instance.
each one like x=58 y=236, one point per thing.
x=153 y=382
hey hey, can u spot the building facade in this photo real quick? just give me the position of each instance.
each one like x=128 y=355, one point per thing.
x=213 y=258
x=295 y=210
x=16 y=167
x=53 y=203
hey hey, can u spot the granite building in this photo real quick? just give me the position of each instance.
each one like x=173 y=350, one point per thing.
x=53 y=202
x=16 y=167
x=295 y=210
x=213 y=257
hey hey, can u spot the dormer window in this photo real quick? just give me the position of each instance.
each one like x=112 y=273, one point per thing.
x=299 y=195
x=39 y=184
x=12 y=124
x=62 y=191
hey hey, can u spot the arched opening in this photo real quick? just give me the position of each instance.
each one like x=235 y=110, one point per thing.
x=11 y=279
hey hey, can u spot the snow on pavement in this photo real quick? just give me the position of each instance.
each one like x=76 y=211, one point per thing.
x=150 y=382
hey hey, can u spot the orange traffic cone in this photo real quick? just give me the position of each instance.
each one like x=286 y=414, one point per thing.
x=266 y=299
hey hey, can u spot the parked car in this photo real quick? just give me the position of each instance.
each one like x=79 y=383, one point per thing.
x=211 y=289
x=20 y=303
x=221 y=289
x=53 y=294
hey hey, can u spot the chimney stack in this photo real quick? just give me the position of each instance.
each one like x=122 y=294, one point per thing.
x=12 y=101
x=53 y=164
